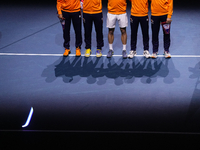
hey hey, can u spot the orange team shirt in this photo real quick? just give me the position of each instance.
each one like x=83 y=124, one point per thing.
x=92 y=6
x=162 y=7
x=139 y=8
x=68 y=6
x=117 y=6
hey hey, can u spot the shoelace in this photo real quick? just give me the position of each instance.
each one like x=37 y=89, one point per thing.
x=132 y=52
x=110 y=51
x=166 y=52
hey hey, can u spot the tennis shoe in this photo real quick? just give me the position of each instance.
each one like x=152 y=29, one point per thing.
x=124 y=55
x=98 y=53
x=154 y=55
x=146 y=54
x=87 y=52
x=78 y=51
x=67 y=52
x=167 y=54
x=132 y=53
x=110 y=53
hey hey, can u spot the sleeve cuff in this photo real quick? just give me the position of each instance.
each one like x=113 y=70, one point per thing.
x=169 y=16
x=59 y=12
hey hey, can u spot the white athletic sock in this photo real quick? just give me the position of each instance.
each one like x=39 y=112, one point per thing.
x=111 y=46
x=124 y=47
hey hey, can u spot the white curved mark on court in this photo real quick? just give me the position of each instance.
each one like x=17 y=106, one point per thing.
x=29 y=118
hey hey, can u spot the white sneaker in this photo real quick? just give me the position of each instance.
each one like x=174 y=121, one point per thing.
x=132 y=54
x=146 y=54
x=167 y=54
x=154 y=55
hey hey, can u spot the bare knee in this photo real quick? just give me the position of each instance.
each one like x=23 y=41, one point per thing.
x=111 y=31
x=123 y=31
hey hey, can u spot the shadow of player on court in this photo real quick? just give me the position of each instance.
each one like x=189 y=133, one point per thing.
x=194 y=106
x=122 y=71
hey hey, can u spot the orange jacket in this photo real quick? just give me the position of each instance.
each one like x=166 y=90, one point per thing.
x=68 y=6
x=117 y=6
x=162 y=7
x=139 y=8
x=92 y=6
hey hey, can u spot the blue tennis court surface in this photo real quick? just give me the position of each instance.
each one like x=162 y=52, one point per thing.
x=96 y=94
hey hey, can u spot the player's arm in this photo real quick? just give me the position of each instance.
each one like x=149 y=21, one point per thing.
x=170 y=12
x=59 y=4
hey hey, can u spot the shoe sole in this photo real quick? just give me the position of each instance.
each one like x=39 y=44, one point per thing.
x=98 y=56
x=154 y=57
x=109 y=56
x=87 y=55
x=131 y=56
x=147 y=56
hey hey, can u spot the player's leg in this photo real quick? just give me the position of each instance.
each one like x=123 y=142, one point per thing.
x=76 y=20
x=144 y=22
x=166 y=39
x=155 y=26
x=123 y=23
x=66 y=33
x=98 y=23
x=111 y=36
x=134 y=23
x=111 y=21
x=87 y=22
x=110 y=41
x=123 y=36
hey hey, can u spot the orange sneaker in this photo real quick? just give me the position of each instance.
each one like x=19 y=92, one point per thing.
x=67 y=52
x=78 y=51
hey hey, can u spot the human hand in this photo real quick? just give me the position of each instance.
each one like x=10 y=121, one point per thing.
x=169 y=20
x=60 y=16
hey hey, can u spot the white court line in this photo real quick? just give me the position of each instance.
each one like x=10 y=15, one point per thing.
x=29 y=54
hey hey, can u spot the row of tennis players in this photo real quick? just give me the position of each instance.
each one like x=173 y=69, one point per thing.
x=161 y=12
